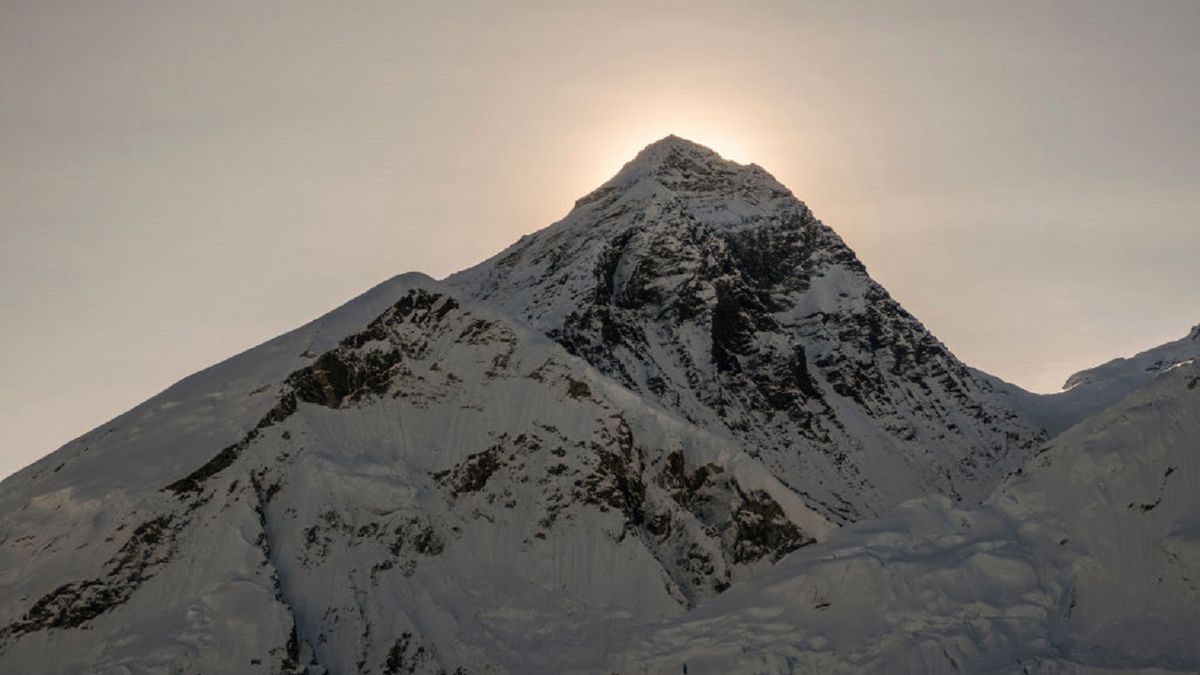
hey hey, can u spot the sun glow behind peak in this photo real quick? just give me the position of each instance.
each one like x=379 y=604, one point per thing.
x=706 y=113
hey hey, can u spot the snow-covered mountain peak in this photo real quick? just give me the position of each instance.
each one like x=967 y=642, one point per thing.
x=671 y=153
x=705 y=285
x=588 y=438
x=677 y=172
x=672 y=148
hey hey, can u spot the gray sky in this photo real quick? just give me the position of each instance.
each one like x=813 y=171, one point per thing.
x=180 y=181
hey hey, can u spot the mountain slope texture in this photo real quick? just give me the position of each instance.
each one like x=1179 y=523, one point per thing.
x=681 y=430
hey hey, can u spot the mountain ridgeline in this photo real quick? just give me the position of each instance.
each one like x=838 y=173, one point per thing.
x=628 y=443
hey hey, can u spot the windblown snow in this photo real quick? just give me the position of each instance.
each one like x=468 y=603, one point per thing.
x=681 y=430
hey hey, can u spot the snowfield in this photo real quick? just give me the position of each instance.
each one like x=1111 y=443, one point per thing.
x=681 y=430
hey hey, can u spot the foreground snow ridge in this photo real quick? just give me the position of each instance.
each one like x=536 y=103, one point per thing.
x=680 y=430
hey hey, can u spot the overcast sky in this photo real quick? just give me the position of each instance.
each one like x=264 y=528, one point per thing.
x=180 y=181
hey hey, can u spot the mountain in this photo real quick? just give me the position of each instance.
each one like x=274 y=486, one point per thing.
x=704 y=285
x=1085 y=561
x=438 y=490
x=1091 y=391
x=681 y=425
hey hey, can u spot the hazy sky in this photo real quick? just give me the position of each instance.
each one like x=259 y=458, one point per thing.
x=182 y=180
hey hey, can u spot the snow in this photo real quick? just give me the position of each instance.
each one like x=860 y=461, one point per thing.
x=680 y=426
x=517 y=572
x=1061 y=570
x=1089 y=392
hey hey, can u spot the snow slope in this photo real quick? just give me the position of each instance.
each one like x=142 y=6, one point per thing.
x=1087 y=560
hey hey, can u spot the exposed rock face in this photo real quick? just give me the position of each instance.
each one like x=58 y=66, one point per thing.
x=708 y=287
x=75 y=603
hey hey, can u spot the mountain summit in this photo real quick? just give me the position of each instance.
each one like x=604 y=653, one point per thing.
x=679 y=164
x=685 y=395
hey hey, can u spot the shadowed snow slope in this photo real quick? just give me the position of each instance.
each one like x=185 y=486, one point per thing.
x=1088 y=560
